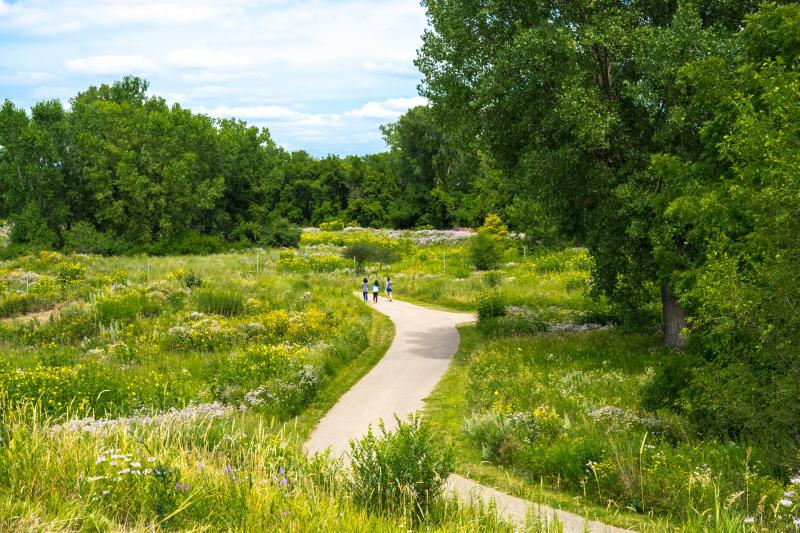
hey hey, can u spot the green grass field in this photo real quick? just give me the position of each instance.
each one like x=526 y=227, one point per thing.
x=214 y=369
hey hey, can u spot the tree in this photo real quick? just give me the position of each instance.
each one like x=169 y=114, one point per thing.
x=573 y=100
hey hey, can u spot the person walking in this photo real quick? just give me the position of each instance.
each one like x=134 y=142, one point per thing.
x=376 y=288
x=389 y=288
x=365 y=289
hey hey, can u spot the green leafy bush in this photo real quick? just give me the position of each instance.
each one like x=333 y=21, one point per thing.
x=225 y=302
x=280 y=233
x=490 y=305
x=189 y=243
x=364 y=252
x=493 y=433
x=485 y=252
x=83 y=238
x=191 y=279
x=399 y=470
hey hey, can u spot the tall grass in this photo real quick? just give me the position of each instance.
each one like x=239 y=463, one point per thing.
x=230 y=474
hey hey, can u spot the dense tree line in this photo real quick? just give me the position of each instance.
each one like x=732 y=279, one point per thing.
x=665 y=136
x=121 y=171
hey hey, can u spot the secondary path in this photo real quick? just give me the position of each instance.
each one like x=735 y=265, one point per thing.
x=424 y=344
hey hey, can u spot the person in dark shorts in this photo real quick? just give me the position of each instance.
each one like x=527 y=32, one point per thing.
x=376 y=288
x=389 y=288
x=365 y=289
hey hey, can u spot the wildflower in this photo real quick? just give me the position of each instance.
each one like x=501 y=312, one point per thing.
x=106 y=492
x=151 y=459
x=117 y=478
x=786 y=502
x=124 y=471
x=100 y=459
x=749 y=520
x=136 y=464
x=283 y=482
x=789 y=494
x=182 y=486
x=796 y=521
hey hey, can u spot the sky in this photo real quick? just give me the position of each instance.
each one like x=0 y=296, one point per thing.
x=322 y=75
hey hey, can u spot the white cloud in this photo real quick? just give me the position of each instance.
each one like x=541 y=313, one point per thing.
x=25 y=78
x=209 y=59
x=388 y=109
x=112 y=64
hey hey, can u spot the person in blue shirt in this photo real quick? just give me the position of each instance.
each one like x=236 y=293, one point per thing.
x=376 y=288
x=365 y=289
x=389 y=288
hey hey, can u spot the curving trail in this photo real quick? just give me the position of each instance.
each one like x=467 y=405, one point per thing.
x=424 y=343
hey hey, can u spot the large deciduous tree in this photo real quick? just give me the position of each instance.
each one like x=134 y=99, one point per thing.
x=573 y=99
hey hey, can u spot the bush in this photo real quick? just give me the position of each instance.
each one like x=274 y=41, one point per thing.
x=220 y=302
x=485 y=252
x=83 y=238
x=364 y=252
x=516 y=321
x=493 y=278
x=494 y=226
x=399 y=470
x=189 y=243
x=492 y=432
x=279 y=233
x=191 y=280
x=490 y=305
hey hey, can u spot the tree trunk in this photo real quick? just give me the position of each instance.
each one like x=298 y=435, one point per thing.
x=674 y=319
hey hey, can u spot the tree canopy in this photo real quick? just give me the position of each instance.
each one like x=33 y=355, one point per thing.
x=663 y=135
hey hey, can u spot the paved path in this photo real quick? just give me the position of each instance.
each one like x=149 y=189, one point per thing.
x=424 y=343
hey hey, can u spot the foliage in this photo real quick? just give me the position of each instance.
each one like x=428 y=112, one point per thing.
x=280 y=233
x=187 y=470
x=363 y=252
x=490 y=305
x=493 y=225
x=399 y=469
x=485 y=251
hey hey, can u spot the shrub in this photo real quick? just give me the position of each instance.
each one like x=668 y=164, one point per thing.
x=364 y=252
x=220 y=302
x=279 y=233
x=189 y=243
x=204 y=335
x=491 y=432
x=191 y=280
x=83 y=238
x=493 y=278
x=69 y=272
x=485 y=252
x=490 y=305
x=516 y=321
x=494 y=226
x=399 y=470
